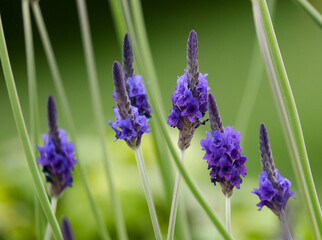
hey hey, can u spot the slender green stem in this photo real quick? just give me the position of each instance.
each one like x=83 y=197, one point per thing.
x=54 y=201
x=21 y=127
x=98 y=111
x=311 y=11
x=289 y=115
x=252 y=87
x=119 y=22
x=228 y=215
x=175 y=200
x=141 y=166
x=33 y=101
x=63 y=99
x=148 y=72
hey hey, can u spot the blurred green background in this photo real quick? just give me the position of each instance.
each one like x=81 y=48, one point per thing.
x=226 y=38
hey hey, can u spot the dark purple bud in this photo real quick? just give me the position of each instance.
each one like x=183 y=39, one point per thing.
x=214 y=116
x=52 y=122
x=127 y=59
x=266 y=154
x=122 y=98
x=192 y=61
x=67 y=230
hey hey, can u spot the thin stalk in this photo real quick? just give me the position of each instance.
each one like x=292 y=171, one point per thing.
x=54 y=201
x=175 y=199
x=252 y=87
x=99 y=116
x=286 y=230
x=33 y=100
x=119 y=22
x=311 y=11
x=228 y=215
x=141 y=166
x=288 y=111
x=66 y=108
x=24 y=138
x=147 y=68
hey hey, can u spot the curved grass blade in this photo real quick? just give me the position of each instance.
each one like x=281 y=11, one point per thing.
x=99 y=116
x=66 y=108
x=21 y=127
x=33 y=102
x=311 y=11
x=289 y=115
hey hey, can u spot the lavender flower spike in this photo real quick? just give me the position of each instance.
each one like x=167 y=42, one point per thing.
x=67 y=230
x=129 y=124
x=274 y=190
x=134 y=83
x=223 y=152
x=57 y=155
x=189 y=99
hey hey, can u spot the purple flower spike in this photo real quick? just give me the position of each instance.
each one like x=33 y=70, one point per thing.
x=223 y=152
x=189 y=99
x=274 y=190
x=57 y=155
x=130 y=124
x=224 y=158
x=127 y=59
x=134 y=83
x=67 y=230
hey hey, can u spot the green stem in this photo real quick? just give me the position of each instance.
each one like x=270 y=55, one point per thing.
x=33 y=100
x=311 y=11
x=175 y=200
x=21 y=127
x=252 y=87
x=99 y=116
x=63 y=99
x=287 y=107
x=141 y=166
x=228 y=215
x=54 y=201
x=119 y=22
x=148 y=72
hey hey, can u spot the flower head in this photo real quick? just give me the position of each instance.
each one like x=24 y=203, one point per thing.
x=274 y=190
x=57 y=155
x=134 y=83
x=130 y=124
x=223 y=152
x=189 y=99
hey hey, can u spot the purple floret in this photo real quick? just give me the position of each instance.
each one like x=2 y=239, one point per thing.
x=57 y=163
x=185 y=104
x=127 y=129
x=224 y=157
x=274 y=197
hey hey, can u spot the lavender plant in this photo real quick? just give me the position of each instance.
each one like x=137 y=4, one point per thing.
x=223 y=155
x=189 y=99
x=189 y=102
x=131 y=115
x=274 y=190
x=56 y=157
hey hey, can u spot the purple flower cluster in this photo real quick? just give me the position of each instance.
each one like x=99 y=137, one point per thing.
x=126 y=129
x=136 y=92
x=274 y=196
x=185 y=104
x=57 y=162
x=224 y=158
